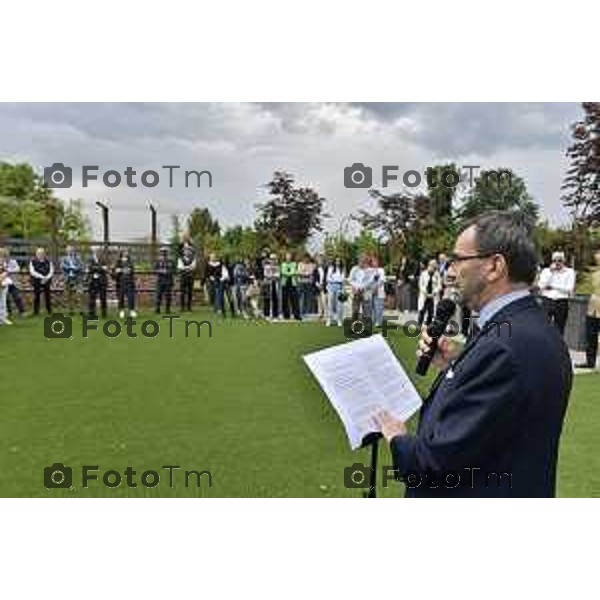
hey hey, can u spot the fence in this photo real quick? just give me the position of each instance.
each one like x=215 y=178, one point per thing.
x=143 y=255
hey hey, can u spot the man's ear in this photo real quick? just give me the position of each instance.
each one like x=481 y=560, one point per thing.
x=499 y=268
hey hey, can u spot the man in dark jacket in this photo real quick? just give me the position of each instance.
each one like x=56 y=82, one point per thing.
x=186 y=265
x=41 y=271
x=124 y=273
x=164 y=269
x=97 y=283
x=491 y=423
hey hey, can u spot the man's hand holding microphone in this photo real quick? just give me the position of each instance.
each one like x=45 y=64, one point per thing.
x=434 y=348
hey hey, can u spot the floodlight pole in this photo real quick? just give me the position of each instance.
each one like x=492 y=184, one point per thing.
x=105 y=229
x=153 y=229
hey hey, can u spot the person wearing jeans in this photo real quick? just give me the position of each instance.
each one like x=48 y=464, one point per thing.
x=378 y=294
x=241 y=280
x=270 y=287
x=13 y=295
x=335 y=293
x=361 y=281
x=72 y=269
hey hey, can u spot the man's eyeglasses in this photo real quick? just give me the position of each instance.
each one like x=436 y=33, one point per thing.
x=456 y=258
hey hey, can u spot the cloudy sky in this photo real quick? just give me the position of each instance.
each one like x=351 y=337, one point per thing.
x=242 y=144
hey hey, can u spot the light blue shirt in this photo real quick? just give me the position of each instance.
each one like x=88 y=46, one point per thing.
x=497 y=304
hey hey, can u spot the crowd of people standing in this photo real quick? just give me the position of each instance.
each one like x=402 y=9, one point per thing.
x=270 y=286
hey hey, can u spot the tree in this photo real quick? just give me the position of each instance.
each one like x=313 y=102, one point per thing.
x=20 y=182
x=240 y=242
x=582 y=181
x=175 y=235
x=75 y=226
x=401 y=221
x=581 y=185
x=441 y=189
x=28 y=208
x=292 y=214
x=337 y=245
x=499 y=189
x=201 y=224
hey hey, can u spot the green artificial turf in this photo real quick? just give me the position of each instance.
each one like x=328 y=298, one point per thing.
x=241 y=404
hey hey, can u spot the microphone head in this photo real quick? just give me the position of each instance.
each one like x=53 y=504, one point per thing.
x=445 y=309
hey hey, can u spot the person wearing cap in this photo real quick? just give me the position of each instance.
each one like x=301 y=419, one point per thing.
x=556 y=285
x=164 y=269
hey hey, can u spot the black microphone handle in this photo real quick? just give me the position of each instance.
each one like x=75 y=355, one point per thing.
x=443 y=313
x=426 y=358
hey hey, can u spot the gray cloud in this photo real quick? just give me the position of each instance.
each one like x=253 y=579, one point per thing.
x=242 y=144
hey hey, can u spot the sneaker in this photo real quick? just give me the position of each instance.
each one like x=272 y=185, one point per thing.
x=133 y=314
x=122 y=314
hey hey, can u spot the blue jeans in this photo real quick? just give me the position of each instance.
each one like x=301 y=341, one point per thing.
x=378 y=304
x=336 y=308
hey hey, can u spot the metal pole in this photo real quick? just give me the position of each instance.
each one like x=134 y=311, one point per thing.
x=104 y=209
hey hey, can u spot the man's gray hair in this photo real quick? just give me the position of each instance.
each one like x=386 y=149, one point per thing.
x=510 y=234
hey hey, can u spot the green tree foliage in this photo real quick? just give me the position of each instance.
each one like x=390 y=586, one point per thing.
x=499 y=189
x=240 y=242
x=292 y=214
x=441 y=189
x=175 y=235
x=402 y=221
x=28 y=209
x=582 y=181
x=75 y=226
x=581 y=186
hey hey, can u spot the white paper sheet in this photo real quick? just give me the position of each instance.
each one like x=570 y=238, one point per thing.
x=360 y=378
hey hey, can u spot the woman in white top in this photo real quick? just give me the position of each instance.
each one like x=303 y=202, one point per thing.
x=335 y=293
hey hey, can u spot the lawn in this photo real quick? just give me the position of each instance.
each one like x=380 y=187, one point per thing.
x=240 y=404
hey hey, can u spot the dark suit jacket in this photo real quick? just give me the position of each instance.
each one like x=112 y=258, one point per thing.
x=498 y=408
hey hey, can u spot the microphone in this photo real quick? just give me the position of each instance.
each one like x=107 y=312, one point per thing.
x=445 y=310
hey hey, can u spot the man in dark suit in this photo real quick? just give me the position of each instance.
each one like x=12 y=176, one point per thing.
x=491 y=423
